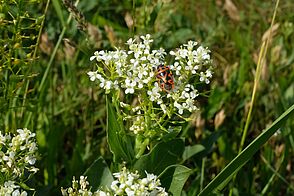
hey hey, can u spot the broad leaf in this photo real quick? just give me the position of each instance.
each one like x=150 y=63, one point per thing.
x=99 y=174
x=161 y=156
x=192 y=150
x=119 y=142
x=174 y=178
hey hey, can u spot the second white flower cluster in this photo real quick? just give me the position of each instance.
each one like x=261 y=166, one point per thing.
x=126 y=183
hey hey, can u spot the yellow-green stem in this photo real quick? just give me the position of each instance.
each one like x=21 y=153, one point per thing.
x=261 y=59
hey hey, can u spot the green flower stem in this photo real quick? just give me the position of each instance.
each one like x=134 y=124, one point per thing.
x=261 y=59
x=142 y=142
x=141 y=145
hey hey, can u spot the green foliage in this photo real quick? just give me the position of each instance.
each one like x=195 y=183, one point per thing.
x=44 y=87
x=161 y=156
x=192 y=151
x=119 y=143
x=174 y=178
x=18 y=40
x=99 y=168
x=247 y=153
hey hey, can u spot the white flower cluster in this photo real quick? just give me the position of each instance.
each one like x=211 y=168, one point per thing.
x=137 y=71
x=78 y=188
x=126 y=183
x=130 y=70
x=184 y=100
x=192 y=62
x=138 y=125
x=10 y=188
x=18 y=153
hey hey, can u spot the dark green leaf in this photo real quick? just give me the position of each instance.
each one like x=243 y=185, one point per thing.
x=174 y=178
x=120 y=144
x=161 y=156
x=99 y=174
x=192 y=150
x=172 y=133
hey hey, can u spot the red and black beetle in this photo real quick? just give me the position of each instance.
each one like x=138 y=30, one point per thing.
x=165 y=78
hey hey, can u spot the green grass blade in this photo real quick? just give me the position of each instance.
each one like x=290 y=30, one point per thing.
x=275 y=173
x=247 y=153
x=58 y=9
x=52 y=57
x=261 y=60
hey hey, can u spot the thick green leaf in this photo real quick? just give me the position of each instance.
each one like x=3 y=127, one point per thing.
x=174 y=177
x=99 y=174
x=246 y=154
x=192 y=150
x=161 y=156
x=119 y=143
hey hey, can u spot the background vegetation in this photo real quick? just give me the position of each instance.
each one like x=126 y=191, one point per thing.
x=44 y=86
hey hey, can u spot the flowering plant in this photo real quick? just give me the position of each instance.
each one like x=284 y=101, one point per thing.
x=148 y=93
x=17 y=159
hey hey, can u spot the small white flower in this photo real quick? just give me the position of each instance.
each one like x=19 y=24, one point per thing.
x=25 y=134
x=101 y=193
x=83 y=182
x=208 y=73
x=202 y=53
x=130 y=41
x=10 y=189
x=93 y=75
x=180 y=107
x=33 y=147
x=129 y=192
x=108 y=85
x=172 y=53
x=163 y=107
x=130 y=84
x=154 y=94
x=190 y=45
x=99 y=56
x=114 y=185
x=33 y=169
x=124 y=105
x=30 y=159
x=10 y=184
x=202 y=77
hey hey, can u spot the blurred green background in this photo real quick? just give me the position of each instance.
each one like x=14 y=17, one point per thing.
x=44 y=85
